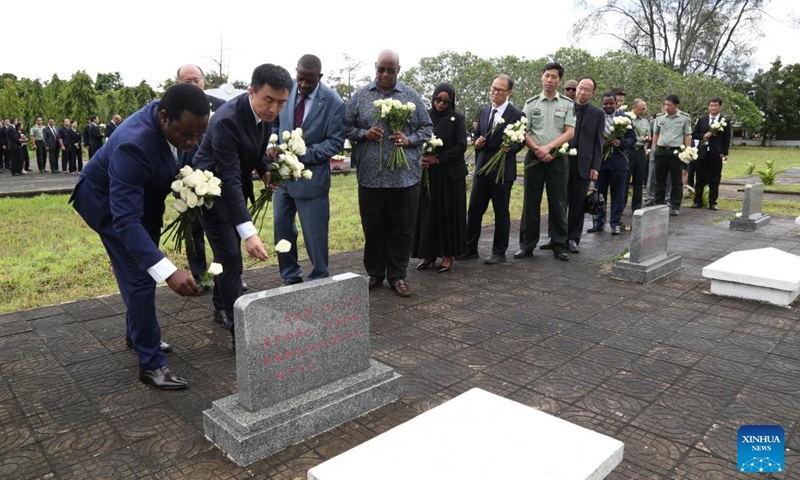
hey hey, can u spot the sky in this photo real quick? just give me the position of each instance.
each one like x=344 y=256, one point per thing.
x=148 y=40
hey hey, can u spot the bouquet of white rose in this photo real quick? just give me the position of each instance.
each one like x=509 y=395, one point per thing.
x=619 y=126
x=395 y=114
x=561 y=151
x=686 y=154
x=512 y=135
x=197 y=189
x=287 y=168
x=714 y=129
x=430 y=149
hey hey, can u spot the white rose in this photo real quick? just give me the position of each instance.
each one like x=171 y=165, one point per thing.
x=201 y=189
x=179 y=205
x=307 y=174
x=273 y=139
x=191 y=200
x=377 y=103
x=573 y=152
x=176 y=186
x=208 y=174
x=385 y=109
x=214 y=190
x=411 y=107
x=283 y=246
x=215 y=181
x=185 y=191
x=284 y=171
x=452 y=119
x=500 y=121
x=287 y=135
x=214 y=269
x=186 y=171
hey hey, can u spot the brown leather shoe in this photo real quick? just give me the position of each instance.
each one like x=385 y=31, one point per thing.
x=163 y=378
x=374 y=282
x=401 y=287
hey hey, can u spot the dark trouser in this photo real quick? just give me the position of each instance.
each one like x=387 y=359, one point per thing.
x=14 y=159
x=709 y=172
x=68 y=159
x=638 y=163
x=226 y=245
x=691 y=169
x=196 y=250
x=668 y=162
x=77 y=155
x=26 y=158
x=387 y=217
x=577 y=188
x=617 y=181
x=555 y=177
x=484 y=189
x=5 y=160
x=53 y=152
x=314 y=219
x=41 y=156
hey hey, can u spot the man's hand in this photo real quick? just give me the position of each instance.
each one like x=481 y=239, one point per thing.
x=428 y=160
x=399 y=139
x=182 y=283
x=271 y=152
x=480 y=142
x=266 y=179
x=592 y=174
x=255 y=248
x=375 y=134
x=543 y=152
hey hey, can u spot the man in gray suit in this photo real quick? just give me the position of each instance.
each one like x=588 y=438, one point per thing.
x=320 y=112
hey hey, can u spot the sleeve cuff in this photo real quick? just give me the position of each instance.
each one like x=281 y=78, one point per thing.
x=162 y=270
x=246 y=230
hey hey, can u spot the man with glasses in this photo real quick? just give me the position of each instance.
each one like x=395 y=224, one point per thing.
x=636 y=155
x=551 y=123
x=387 y=198
x=485 y=187
x=570 y=86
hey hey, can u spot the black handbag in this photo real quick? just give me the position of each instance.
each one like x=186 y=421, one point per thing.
x=595 y=202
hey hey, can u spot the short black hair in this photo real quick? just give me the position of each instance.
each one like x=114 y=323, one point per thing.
x=674 y=99
x=273 y=75
x=716 y=100
x=310 y=62
x=618 y=91
x=92 y=117
x=507 y=78
x=610 y=94
x=183 y=97
x=594 y=83
x=554 y=66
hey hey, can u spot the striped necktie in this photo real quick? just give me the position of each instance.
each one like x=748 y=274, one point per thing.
x=609 y=121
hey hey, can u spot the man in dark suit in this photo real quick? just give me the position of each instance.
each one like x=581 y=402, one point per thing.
x=584 y=167
x=67 y=157
x=112 y=125
x=319 y=111
x=13 y=148
x=614 y=171
x=712 y=155
x=51 y=144
x=5 y=164
x=95 y=136
x=484 y=187
x=120 y=195
x=232 y=148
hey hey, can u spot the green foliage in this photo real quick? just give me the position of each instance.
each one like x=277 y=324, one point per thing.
x=81 y=97
x=751 y=167
x=215 y=79
x=776 y=92
x=769 y=174
x=108 y=82
x=344 y=80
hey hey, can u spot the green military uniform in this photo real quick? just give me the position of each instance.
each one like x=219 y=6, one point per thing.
x=547 y=120
x=672 y=131
x=37 y=140
x=638 y=161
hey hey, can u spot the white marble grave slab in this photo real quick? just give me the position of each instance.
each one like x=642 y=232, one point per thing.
x=477 y=436
x=764 y=274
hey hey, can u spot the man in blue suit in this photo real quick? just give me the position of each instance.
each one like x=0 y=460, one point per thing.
x=121 y=194
x=234 y=146
x=319 y=111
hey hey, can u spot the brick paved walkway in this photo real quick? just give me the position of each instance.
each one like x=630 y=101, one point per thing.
x=667 y=368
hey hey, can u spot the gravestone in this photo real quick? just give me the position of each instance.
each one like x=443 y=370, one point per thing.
x=303 y=367
x=764 y=274
x=649 y=259
x=752 y=219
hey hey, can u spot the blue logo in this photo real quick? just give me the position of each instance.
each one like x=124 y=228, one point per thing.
x=760 y=448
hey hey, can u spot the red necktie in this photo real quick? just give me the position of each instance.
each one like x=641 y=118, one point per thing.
x=300 y=111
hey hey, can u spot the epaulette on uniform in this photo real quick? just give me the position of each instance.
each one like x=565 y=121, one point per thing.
x=533 y=98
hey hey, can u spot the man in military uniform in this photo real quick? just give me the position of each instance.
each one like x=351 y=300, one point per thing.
x=671 y=129
x=551 y=123
x=637 y=156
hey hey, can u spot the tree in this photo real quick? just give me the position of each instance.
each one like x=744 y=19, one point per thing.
x=10 y=104
x=34 y=102
x=344 y=80
x=241 y=85
x=215 y=80
x=108 y=82
x=54 y=94
x=81 y=97
x=709 y=36
x=144 y=94
x=126 y=101
x=777 y=94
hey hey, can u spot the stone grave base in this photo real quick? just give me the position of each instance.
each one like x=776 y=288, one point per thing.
x=247 y=436
x=753 y=292
x=764 y=274
x=750 y=224
x=648 y=270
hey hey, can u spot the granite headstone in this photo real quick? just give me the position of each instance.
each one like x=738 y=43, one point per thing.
x=752 y=219
x=303 y=366
x=649 y=259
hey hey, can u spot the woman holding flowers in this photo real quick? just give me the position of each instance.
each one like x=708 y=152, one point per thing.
x=441 y=218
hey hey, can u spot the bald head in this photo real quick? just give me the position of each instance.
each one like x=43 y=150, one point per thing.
x=389 y=56
x=193 y=75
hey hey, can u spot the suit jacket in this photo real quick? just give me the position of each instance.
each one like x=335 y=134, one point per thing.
x=74 y=138
x=50 y=139
x=618 y=160
x=95 y=138
x=214 y=102
x=12 y=138
x=323 y=132
x=126 y=183
x=717 y=145
x=232 y=148
x=3 y=136
x=495 y=140
x=86 y=134
x=110 y=127
x=588 y=139
x=63 y=135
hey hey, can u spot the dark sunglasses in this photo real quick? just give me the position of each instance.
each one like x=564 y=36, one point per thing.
x=391 y=71
x=569 y=89
x=441 y=100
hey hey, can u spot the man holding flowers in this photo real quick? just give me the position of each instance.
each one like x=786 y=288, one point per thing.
x=387 y=197
x=714 y=135
x=120 y=195
x=233 y=147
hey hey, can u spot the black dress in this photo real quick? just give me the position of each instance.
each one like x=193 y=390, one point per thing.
x=442 y=217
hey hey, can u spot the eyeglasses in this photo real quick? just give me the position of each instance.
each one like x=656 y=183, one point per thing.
x=441 y=100
x=569 y=89
x=391 y=71
x=497 y=90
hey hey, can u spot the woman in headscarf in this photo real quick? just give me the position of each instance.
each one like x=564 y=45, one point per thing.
x=441 y=220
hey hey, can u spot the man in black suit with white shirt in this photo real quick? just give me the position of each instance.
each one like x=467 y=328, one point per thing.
x=711 y=154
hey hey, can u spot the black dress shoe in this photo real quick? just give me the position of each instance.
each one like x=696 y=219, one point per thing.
x=615 y=230
x=221 y=317
x=292 y=281
x=713 y=206
x=523 y=253
x=695 y=205
x=244 y=286
x=467 y=256
x=163 y=378
x=494 y=259
x=548 y=245
x=673 y=212
x=563 y=256
x=374 y=282
x=595 y=229
x=572 y=246
x=650 y=204
x=164 y=346
x=425 y=264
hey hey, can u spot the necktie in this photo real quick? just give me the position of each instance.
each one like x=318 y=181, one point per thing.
x=300 y=111
x=609 y=121
x=713 y=119
x=491 y=119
